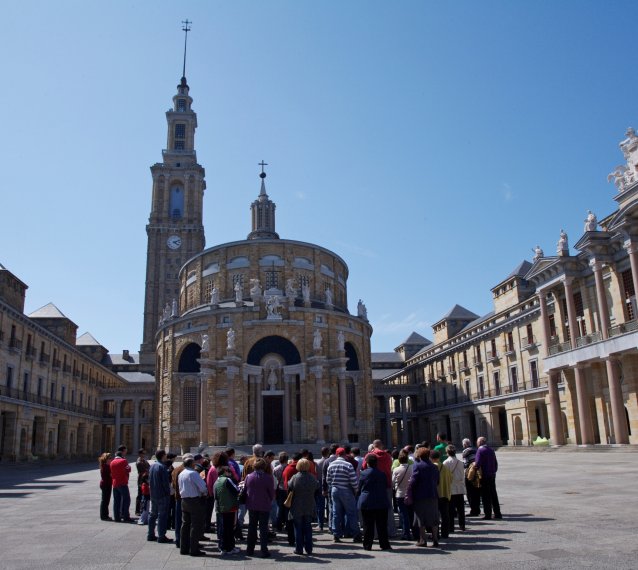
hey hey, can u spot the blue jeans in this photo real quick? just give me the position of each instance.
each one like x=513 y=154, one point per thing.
x=320 y=502
x=121 y=503
x=344 y=507
x=159 y=515
x=407 y=519
x=303 y=534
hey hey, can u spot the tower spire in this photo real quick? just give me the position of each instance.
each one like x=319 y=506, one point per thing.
x=185 y=29
x=263 y=212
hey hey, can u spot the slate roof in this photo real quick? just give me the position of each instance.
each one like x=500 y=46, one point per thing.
x=136 y=377
x=521 y=269
x=49 y=311
x=459 y=313
x=133 y=358
x=386 y=357
x=381 y=373
x=87 y=339
x=416 y=338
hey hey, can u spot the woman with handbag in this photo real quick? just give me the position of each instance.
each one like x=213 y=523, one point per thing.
x=258 y=493
x=400 y=479
x=302 y=485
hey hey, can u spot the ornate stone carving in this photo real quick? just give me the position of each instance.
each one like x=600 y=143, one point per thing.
x=626 y=175
x=239 y=293
x=305 y=292
x=362 y=311
x=591 y=222
x=205 y=343
x=214 y=296
x=562 y=247
x=316 y=341
x=329 y=297
x=291 y=292
x=538 y=253
x=255 y=290
x=230 y=340
x=273 y=306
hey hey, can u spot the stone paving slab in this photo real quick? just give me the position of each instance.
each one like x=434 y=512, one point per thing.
x=575 y=510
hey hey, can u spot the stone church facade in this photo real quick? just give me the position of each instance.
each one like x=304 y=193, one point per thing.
x=251 y=340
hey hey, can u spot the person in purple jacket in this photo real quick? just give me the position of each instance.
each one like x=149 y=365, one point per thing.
x=486 y=460
x=260 y=492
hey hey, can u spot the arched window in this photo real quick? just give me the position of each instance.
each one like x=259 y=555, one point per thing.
x=351 y=355
x=176 y=202
x=188 y=359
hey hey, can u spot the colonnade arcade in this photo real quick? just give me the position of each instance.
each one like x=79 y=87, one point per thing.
x=128 y=419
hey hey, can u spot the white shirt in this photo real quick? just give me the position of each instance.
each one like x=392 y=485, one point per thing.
x=191 y=485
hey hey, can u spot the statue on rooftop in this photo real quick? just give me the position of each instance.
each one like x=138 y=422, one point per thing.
x=562 y=247
x=538 y=253
x=591 y=222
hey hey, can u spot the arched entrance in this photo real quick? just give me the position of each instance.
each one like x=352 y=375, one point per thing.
x=188 y=360
x=273 y=393
x=518 y=430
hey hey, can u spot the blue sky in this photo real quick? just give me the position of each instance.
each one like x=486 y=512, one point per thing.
x=430 y=144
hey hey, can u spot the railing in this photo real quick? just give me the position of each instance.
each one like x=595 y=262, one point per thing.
x=45 y=358
x=623 y=328
x=487 y=394
x=451 y=370
x=559 y=347
x=57 y=364
x=477 y=362
x=464 y=367
x=588 y=339
x=508 y=349
x=429 y=377
x=66 y=368
x=528 y=341
x=492 y=356
x=30 y=352
x=15 y=344
x=43 y=400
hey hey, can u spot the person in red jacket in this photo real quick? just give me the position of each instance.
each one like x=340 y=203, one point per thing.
x=384 y=464
x=120 y=471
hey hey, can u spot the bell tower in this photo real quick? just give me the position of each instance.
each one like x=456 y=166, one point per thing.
x=175 y=230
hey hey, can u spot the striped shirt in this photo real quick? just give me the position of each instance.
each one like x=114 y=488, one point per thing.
x=341 y=475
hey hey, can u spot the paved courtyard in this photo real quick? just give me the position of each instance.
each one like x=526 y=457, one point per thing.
x=561 y=510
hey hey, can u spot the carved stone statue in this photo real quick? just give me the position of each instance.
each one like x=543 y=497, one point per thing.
x=328 y=297
x=167 y=312
x=214 y=296
x=341 y=341
x=305 y=291
x=618 y=176
x=239 y=293
x=272 y=379
x=562 y=247
x=316 y=340
x=362 y=311
x=626 y=175
x=273 y=305
x=591 y=222
x=174 y=310
x=255 y=290
x=538 y=253
x=291 y=292
x=230 y=340
x=205 y=343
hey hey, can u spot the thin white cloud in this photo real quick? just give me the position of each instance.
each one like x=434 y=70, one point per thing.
x=506 y=192
x=357 y=250
x=389 y=323
x=300 y=195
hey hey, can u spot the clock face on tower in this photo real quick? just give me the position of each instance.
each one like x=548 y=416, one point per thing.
x=174 y=242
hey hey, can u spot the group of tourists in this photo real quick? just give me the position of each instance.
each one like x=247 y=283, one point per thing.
x=356 y=497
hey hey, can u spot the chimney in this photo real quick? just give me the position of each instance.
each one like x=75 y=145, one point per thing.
x=125 y=355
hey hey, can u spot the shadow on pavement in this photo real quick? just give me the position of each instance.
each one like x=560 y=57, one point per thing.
x=18 y=474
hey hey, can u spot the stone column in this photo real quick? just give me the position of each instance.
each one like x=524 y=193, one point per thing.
x=621 y=432
x=542 y=299
x=231 y=372
x=582 y=394
x=584 y=410
x=556 y=421
x=259 y=409
x=632 y=251
x=319 y=404
x=601 y=298
x=343 y=407
x=118 y=419
x=571 y=311
x=404 y=421
x=287 y=407
x=388 y=421
x=136 y=425
x=203 y=409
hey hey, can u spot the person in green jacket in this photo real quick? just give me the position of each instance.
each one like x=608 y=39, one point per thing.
x=226 y=493
x=445 y=492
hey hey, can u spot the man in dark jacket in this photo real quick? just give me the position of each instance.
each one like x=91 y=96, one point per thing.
x=374 y=504
x=158 y=480
x=486 y=461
